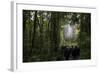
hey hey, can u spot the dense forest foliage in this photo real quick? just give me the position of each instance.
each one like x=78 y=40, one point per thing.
x=47 y=35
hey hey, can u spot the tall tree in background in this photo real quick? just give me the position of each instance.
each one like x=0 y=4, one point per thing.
x=85 y=36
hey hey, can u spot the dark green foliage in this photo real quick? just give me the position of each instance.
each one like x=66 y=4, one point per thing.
x=85 y=36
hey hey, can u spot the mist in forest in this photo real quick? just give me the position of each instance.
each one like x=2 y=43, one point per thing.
x=56 y=36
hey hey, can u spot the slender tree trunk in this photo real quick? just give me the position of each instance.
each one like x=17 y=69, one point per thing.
x=34 y=29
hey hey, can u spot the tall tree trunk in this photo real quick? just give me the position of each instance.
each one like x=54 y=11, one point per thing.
x=34 y=29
